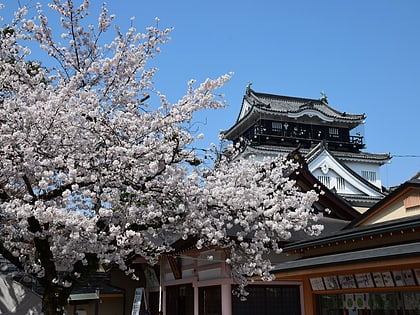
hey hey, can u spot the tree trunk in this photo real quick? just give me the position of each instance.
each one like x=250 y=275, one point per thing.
x=53 y=302
x=55 y=295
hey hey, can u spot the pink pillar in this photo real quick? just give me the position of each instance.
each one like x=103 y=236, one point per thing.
x=226 y=299
x=196 y=301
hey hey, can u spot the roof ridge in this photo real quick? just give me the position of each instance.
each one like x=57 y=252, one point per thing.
x=317 y=104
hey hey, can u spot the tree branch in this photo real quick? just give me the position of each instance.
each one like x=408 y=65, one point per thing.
x=10 y=257
x=28 y=186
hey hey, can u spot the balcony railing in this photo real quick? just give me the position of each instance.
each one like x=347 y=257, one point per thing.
x=352 y=143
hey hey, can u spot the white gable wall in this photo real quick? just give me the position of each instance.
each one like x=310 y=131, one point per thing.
x=325 y=165
x=361 y=169
x=245 y=108
x=335 y=181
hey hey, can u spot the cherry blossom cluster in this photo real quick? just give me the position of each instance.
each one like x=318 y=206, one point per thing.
x=88 y=167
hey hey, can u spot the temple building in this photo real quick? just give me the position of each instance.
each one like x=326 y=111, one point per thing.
x=331 y=141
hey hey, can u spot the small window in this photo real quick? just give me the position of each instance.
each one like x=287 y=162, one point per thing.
x=341 y=183
x=369 y=175
x=333 y=132
x=325 y=180
x=276 y=126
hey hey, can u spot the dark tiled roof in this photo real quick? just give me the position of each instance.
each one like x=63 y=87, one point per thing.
x=352 y=157
x=269 y=105
x=343 y=156
x=331 y=226
x=310 y=154
x=361 y=200
x=288 y=104
x=349 y=232
x=415 y=179
x=346 y=156
x=395 y=251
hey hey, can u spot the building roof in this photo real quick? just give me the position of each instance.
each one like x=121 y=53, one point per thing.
x=369 y=194
x=356 y=242
x=310 y=154
x=18 y=299
x=329 y=199
x=289 y=104
x=341 y=212
x=392 y=229
x=362 y=199
x=409 y=185
x=373 y=254
x=376 y=158
x=256 y=105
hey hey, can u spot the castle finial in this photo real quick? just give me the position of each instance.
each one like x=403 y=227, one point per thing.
x=248 y=88
x=323 y=97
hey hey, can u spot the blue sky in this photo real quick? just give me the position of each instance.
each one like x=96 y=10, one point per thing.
x=365 y=54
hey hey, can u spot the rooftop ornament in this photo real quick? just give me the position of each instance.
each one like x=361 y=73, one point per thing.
x=248 y=88
x=323 y=97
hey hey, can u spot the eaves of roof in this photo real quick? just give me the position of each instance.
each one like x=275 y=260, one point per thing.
x=343 y=156
x=289 y=104
x=269 y=111
x=375 y=254
x=347 y=156
x=347 y=234
x=328 y=199
x=361 y=201
x=363 y=156
x=234 y=131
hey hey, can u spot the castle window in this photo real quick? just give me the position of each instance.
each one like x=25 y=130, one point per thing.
x=325 y=180
x=369 y=175
x=341 y=183
x=276 y=126
x=333 y=132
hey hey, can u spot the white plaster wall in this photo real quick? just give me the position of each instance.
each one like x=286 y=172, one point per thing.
x=348 y=189
x=358 y=167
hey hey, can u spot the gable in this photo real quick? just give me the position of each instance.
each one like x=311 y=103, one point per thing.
x=402 y=206
x=334 y=175
x=402 y=202
x=245 y=108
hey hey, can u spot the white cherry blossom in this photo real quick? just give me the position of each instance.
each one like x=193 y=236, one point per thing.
x=97 y=166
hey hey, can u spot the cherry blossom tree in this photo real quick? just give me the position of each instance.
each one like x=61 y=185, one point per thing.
x=97 y=166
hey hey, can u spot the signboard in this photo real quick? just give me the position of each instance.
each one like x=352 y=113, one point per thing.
x=376 y=279
x=347 y=281
x=317 y=284
x=364 y=280
x=173 y=262
x=331 y=283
